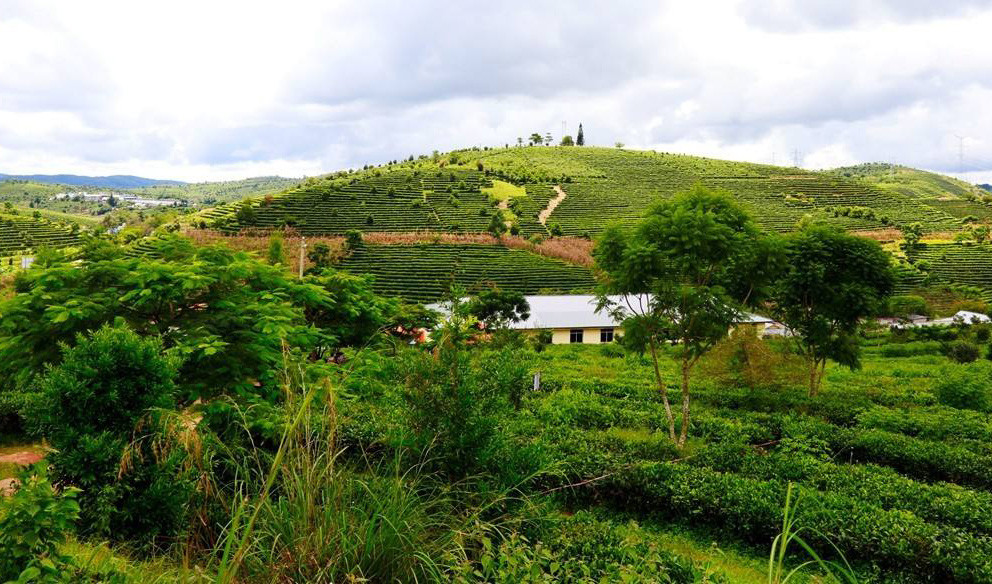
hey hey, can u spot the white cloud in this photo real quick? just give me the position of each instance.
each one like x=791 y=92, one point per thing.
x=202 y=90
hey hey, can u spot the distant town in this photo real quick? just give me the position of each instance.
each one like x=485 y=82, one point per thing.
x=116 y=198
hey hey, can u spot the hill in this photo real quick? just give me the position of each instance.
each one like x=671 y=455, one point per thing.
x=218 y=192
x=456 y=192
x=117 y=181
x=21 y=234
x=954 y=197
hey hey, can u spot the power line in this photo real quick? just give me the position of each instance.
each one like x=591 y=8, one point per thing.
x=960 y=152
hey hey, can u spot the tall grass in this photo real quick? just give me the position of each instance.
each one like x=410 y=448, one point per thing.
x=315 y=518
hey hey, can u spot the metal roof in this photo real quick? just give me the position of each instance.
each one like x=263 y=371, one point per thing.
x=578 y=311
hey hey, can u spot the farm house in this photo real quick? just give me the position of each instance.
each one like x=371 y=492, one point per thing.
x=572 y=318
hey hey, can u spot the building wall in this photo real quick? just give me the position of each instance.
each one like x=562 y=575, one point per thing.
x=590 y=336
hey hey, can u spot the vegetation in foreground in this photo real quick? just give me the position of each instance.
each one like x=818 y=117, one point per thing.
x=227 y=420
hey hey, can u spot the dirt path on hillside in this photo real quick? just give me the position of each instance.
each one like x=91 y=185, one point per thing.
x=504 y=205
x=552 y=204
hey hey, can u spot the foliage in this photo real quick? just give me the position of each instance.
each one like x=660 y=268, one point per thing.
x=966 y=387
x=224 y=311
x=453 y=409
x=34 y=522
x=92 y=403
x=904 y=305
x=746 y=360
x=831 y=282
x=276 y=254
x=962 y=351
x=497 y=309
x=678 y=274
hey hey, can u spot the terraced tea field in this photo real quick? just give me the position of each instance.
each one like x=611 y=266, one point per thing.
x=607 y=185
x=424 y=272
x=19 y=234
x=603 y=185
x=969 y=265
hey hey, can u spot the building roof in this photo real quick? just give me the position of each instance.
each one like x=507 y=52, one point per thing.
x=578 y=311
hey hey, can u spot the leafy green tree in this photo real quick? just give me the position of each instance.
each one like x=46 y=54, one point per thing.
x=352 y=239
x=497 y=309
x=276 y=254
x=226 y=312
x=567 y=141
x=246 y=214
x=497 y=226
x=580 y=138
x=536 y=139
x=91 y=404
x=911 y=234
x=832 y=281
x=682 y=276
x=319 y=255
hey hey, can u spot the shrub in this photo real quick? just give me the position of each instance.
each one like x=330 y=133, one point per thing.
x=962 y=351
x=106 y=384
x=965 y=387
x=33 y=523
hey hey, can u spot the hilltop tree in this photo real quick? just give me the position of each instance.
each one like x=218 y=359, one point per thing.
x=831 y=282
x=536 y=139
x=547 y=139
x=683 y=275
x=567 y=141
x=580 y=138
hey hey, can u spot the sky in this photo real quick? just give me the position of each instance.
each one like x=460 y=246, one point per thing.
x=217 y=90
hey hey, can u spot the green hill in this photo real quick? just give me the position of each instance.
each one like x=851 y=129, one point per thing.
x=602 y=185
x=218 y=192
x=955 y=197
x=19 y=234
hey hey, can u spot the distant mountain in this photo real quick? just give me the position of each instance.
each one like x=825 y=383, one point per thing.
x=119 y=181
x=985 y=186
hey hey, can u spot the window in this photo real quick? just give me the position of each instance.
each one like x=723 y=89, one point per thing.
x=575 y=336
x=606 y=335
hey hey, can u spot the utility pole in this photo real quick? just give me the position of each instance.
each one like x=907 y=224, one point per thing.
x=773 y=159
x=795 y=157
x=303 y=247
x=563 y=128
x=960 y=152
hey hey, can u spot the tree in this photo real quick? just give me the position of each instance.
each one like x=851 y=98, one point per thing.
x=832 y=281
x=225 y=312
x=536 y=139
x=497 y=226
x=520 y=141
x=320 y=256
x=911 y=234
x=91 y=404
x=276 y=254
x=567 y=141
x=547 y=139
x=580 y=138
x=496 y=308
x=619 y=145
x=683 y=276
x=246 y=214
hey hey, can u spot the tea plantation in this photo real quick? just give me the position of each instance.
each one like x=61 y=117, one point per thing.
x=603 y=185
x=425 y=272
x=19 y=234
x=899 y=481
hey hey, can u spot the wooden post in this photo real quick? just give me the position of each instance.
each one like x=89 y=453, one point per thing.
x=303 y=246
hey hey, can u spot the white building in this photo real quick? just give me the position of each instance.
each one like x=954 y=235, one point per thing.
x=572 y=318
